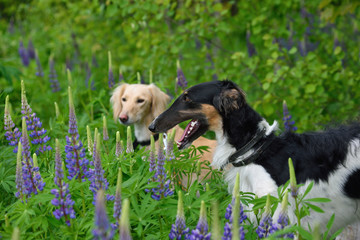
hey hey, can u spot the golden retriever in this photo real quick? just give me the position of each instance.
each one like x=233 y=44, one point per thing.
x=139 y=105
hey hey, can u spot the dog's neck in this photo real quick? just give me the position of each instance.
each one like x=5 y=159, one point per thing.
x=142 y=132
x=239 y=128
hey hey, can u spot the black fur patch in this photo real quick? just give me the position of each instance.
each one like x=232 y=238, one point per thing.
x=352 y=185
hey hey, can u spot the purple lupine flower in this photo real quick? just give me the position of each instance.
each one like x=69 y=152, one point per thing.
x=293 y=186
x=31 y=184
x=181 y=80
x=111 y=81
x=179 y=230
x=250 y=47
x=266 y=226
x=12 y=134
x=289 y=125
x=62 y=199
x=24 y=54
x=34 y=125
x=89 y=140
x=94 y=62
x=31 y=50
x=53 y=78
x=124 y=222
x=76 y=162
x=117 y=201
x=39 y=69
x=201 y=232
x=97 y=179
x=229 y=214
x=102 y=229
x=152 y=161
x=163 y=189
x=19 y=180
x=118 y=148
x=129 y=143
x=37 y=176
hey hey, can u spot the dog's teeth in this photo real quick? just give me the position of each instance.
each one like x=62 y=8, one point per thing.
x=191 y=128
x=193 y=124
x=188 y=132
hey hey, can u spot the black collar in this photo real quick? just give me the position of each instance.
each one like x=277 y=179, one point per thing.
x=144 y=143
x=258 y=146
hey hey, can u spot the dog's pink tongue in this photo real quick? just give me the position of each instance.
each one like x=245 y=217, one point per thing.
x=187 y=131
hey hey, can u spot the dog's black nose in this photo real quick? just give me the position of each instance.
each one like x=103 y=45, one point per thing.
x=152 y=127
x=123 y=118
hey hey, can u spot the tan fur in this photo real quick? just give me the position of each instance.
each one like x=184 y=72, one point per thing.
x=142 y=114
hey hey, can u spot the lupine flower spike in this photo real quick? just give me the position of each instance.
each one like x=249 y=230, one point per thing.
x=124 y=221
x=163 y=189
x=117 y=202
x=102 y=230
x=215 y=228
x=76 y=161
x=12 y=134
x=89 y=140
x=250 y=47
x=31 y=50
x=69 y=77
x=98 y=181
x=170 y=146
x=179 y=230
x=150 y=76
x=181 y=80
x=53 y=78
x=289 y=125
x=105 y=129
x=238 y=214
x=36 y=169
x=152 y=162
x=266 y=226
x=111 y=80
x=118 y=147
x=201 y=231
x=24 y=54
x=19 y=175
x=16 y=234
x=32 y=184
x=57 y=111
x=129 y=143
x=39 y=69
x=283 y=219
x=293 y=185
x=62 y=199
x=34 y=125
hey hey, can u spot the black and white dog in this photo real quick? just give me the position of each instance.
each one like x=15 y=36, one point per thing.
x=247 y=145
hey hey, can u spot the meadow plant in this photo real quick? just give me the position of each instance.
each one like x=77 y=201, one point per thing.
x=117 y=201
x=266 y=226
x=119 y=146
x=124 y=222
x=105 y=129
x=129 y=143
x=32 y=182
x=31 y=50
x=102 y=230
x=170 y=145
x=19 y=180
x=180 y=78
x=62 y=201
x=289 y=125
x=76 y=161
x=39 y=69
x=24 y=55
x=34 y=125
x=179 y=230
x=163 y=189
x=201 y=232
x=53 y=77
x=121 y=75
x=111 y=78
x=12 y=133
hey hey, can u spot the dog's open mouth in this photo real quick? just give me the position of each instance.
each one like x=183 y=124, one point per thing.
x=189 y=131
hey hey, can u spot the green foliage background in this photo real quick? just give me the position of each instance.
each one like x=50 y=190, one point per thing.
x=306 y=52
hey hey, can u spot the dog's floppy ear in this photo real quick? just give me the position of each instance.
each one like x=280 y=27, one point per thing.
x=116 y=99
x=159 y=100
x=230 y=98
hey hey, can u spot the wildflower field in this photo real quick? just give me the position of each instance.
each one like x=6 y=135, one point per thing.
x=68 y=170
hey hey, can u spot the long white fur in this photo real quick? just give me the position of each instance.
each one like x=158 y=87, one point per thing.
x=254 y=178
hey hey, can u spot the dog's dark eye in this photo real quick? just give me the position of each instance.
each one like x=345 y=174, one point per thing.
x=186 y=98
x=140 y=100
x=123 y=99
